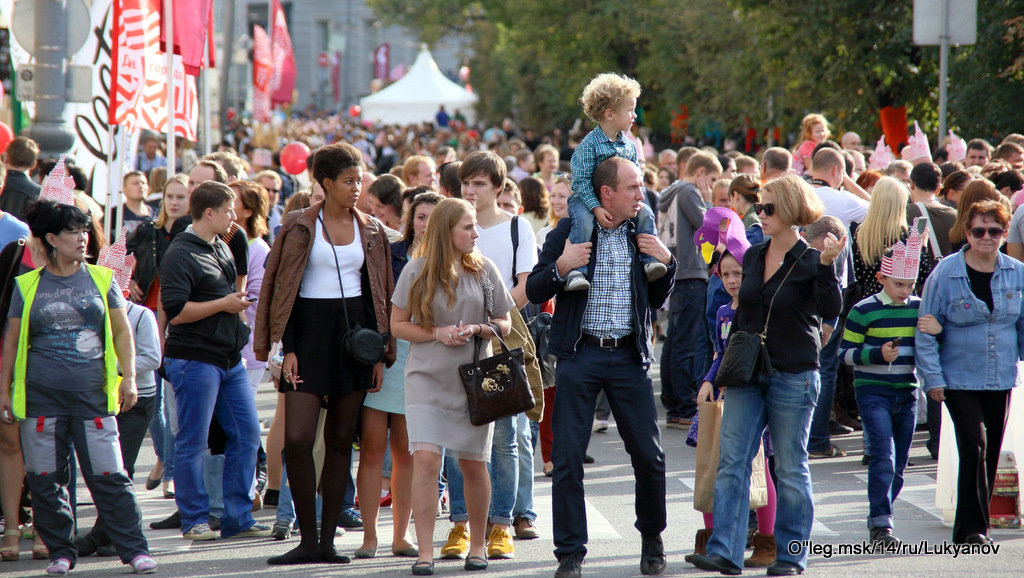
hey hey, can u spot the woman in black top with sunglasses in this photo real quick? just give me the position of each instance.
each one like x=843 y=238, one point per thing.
x=787 y=288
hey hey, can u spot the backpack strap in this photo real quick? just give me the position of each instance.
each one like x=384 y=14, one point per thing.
x=515 y=247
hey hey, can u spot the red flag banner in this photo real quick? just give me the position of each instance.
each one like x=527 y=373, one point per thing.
x=138 y=87
x=262 y=73
x=192 y=25
x=283 y=81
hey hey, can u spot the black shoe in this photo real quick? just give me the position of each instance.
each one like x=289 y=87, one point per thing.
x=977 y=539
x=784 y=568
x=716 y=563
x=474 y=563
x=295 y=556
x=214 y=522
x=865 y=460
x=569 y=566
x=261 y=478
x=270 y=498
x=350 y=519
x=331 y=556
x=423 y=569
x=169 y=523
x=652 y=555
x=838 y=429
x=587 y=459
x=883 y=536
x=86 y=544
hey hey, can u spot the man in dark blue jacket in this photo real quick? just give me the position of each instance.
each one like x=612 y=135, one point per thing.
x=601 y=338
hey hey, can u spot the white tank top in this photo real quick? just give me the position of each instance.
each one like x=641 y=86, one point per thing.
x=320 y=279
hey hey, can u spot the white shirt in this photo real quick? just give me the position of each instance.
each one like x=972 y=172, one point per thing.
x=843 y=205
x=320 y=278
x=495 y=243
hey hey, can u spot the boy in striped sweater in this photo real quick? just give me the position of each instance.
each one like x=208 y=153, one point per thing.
x=879 y=342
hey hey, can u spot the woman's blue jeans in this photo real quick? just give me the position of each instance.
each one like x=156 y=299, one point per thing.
x=785 y=406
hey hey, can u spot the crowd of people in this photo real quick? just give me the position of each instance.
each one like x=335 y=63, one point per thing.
x=358 y=286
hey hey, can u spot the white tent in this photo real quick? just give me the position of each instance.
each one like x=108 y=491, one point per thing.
x=417 y=96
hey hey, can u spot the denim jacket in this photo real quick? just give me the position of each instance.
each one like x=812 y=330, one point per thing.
x=977 y=350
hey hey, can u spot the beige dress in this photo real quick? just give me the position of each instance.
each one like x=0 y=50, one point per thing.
x=436 y=410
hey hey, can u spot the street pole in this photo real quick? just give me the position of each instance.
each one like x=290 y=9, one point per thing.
x=943 y=70
x=169 y=31
x=50 y=131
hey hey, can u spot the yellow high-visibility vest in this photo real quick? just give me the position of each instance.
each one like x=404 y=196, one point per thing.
x=28 y=284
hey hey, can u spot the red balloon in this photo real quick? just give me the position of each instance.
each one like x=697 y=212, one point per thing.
x=6 y=136
x=355 y=110
x=293 y=157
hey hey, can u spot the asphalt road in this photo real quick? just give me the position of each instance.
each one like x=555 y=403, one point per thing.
x=840 y=496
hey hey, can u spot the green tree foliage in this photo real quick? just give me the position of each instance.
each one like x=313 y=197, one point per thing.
x=731 y=62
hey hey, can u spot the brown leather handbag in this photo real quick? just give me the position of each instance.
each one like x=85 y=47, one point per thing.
x=496 y=387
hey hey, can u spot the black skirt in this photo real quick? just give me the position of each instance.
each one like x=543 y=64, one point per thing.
x=316 y=334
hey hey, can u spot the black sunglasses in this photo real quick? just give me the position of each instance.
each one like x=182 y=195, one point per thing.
x=979 y=232
x=767 y=208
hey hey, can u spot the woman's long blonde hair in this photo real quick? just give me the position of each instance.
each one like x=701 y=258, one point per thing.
x=178 y=179
x=886 y=221
x=439 y=261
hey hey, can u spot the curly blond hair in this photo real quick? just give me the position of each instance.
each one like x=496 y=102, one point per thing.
x=607 y=90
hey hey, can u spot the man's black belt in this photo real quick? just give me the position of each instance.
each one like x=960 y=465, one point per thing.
x=609 y=342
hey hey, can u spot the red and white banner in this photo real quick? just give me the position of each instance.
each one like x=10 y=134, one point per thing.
x=138 y=86
x=262 y=73
x=283 y=81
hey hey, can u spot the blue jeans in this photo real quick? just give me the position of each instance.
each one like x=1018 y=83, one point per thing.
x=524 y=492
x=213 y=476
x=504 y=471
x=889 y=415
x=202 y=390
x=623 y=376
x=582 y=230
x=820 y=440
x=160 y=430
x=285 y=513
x=687 y=352
x=785 y=407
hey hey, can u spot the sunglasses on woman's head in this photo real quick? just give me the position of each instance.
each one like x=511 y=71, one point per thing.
x=767 y=208
x=979 y=232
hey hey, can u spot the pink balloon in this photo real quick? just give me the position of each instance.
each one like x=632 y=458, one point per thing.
x=293 y=157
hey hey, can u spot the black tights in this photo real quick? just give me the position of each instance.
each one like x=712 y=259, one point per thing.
x=979 y=418
x=301 y=415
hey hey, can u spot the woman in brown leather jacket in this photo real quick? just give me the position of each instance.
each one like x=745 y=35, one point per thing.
x=327 y=260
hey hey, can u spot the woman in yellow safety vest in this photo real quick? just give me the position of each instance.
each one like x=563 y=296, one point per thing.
x=66 y=331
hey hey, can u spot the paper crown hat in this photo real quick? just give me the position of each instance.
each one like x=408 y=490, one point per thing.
x=58 y=186
x=882 y=157
x=957 y=148
x=903 y=259
x=706 y=236
x=115 y=257
x=917 y=149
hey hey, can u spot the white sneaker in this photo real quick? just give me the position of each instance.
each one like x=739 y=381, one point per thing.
x=576 y=281
x=655 y=271
x=200 y=533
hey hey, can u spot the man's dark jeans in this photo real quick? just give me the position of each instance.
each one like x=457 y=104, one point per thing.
x=820 y=439
x=622 y=375
x=687 y=352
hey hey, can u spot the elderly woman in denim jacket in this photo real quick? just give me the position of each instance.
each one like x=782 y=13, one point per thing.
x=975 y=295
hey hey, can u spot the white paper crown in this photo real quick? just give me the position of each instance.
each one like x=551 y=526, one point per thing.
x=58 y=186
x=882 y=157
x=903 y=260
x=115 y=257
x=957 y=148
x=917 y=149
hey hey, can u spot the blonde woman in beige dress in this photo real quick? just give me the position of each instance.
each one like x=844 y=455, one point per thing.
x=441 y=302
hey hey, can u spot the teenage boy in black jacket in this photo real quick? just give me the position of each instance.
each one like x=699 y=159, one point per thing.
x=202 y=360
